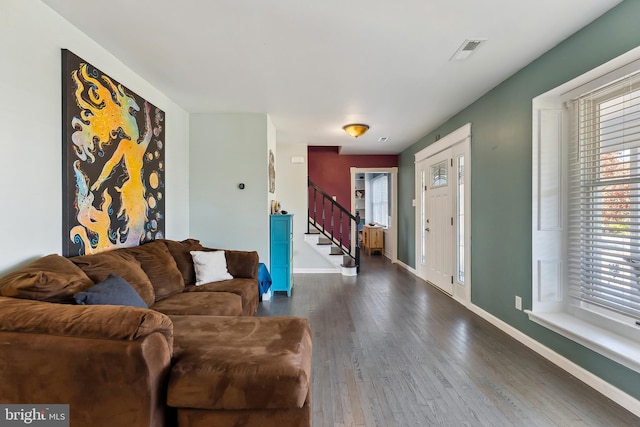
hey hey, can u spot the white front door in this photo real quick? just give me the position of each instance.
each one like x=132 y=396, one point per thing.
x=443 y=214
x=439 y=225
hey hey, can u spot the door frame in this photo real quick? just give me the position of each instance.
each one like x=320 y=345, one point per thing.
x=394 y=203
x=460 y=141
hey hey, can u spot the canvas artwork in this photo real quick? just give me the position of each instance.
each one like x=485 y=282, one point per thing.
x=272 y=172
x=113 y=162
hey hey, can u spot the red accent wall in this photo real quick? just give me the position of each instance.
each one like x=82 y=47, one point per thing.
x=331 y=171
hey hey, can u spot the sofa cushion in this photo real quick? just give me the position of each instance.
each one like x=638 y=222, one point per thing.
x=97 y=321
x=210 y=266
x=99 y=266
x=112 y=291
x=240 y=362
x=246 y=288
x=201 y=303
x=242 y=264
x=52 y=278
x=161 y=268
x=180 y=251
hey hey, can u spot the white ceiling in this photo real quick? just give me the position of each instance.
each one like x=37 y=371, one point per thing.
x=315 y=66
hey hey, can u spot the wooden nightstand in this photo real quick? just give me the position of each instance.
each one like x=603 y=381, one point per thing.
x=372 y=238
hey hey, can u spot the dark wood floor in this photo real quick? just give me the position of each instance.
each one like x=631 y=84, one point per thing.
x=390 y=350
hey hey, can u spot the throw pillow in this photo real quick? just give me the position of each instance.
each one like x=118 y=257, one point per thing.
x=210 y=267
x=113 y=291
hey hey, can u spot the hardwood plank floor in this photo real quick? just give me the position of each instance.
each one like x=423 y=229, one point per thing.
x=391 y=350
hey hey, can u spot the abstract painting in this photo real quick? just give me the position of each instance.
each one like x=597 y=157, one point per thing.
x=113 y=162
x=272 y=172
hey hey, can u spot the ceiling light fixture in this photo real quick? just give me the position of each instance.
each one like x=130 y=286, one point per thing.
x=355 y=129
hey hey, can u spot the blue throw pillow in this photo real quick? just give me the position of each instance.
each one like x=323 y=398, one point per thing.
x=112 y=291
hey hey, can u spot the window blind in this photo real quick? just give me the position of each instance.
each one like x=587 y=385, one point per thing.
x=604 y=198
x=380 y=199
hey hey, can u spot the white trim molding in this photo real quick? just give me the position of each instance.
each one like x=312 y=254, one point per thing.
x=616 y=347
x=316 y=271
x=406 y=267
x=393 y=226
x=620 y=397
x=451 y=139
x=551 y=304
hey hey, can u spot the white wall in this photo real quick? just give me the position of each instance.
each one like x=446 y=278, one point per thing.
x=291 y=184
x=31 y=36
x=226 y=150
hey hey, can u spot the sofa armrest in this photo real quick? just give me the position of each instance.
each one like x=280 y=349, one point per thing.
x=119 y=323
x=109 y=364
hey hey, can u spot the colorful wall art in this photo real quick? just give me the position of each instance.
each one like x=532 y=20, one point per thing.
x=113 y=162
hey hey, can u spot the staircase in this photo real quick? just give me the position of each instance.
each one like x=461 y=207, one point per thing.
x=331 y=228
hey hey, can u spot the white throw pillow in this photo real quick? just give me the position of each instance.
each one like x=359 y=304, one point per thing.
x=210 y=267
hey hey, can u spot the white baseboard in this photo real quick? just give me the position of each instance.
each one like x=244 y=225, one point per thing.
x=315 y=270
x=406 y=267
x=620 y=397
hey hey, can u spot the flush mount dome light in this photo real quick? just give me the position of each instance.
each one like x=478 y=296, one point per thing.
x=355 y=129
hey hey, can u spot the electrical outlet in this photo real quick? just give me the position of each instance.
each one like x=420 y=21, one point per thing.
x=518 y=303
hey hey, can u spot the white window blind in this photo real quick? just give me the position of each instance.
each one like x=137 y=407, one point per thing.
x=604 y=199
x=380 y=200
x=439 y=173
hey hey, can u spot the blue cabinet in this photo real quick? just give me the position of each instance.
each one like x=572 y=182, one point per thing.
x=281 y=248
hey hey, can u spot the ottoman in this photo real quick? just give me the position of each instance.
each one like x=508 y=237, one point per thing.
x=241 y=371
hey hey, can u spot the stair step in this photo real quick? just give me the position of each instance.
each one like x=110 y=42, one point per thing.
x=346 y=267
x=324 y=241
x=336 y=251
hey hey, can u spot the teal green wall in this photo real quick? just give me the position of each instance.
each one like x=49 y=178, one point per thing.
x=501 y=161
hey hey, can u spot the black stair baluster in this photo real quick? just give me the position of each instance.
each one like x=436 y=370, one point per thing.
x=340 y=231
x=332 y=232
x=351 y=248
x=314 y=206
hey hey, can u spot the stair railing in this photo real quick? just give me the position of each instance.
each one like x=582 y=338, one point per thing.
x=334 y=221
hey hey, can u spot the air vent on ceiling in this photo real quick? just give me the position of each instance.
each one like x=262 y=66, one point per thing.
x=383 y=139
x=468 y=47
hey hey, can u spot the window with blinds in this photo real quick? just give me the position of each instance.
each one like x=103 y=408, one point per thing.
x=604 y=199
x=380 y=199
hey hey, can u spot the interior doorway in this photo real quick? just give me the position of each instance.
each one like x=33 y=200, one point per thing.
x=375 y=205
x=443 y=214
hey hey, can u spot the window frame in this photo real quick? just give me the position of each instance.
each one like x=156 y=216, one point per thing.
x=551 y=305
x=384 y=204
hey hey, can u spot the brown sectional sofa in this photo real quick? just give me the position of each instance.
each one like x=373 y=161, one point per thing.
x=162 y=271
x=195 y=357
